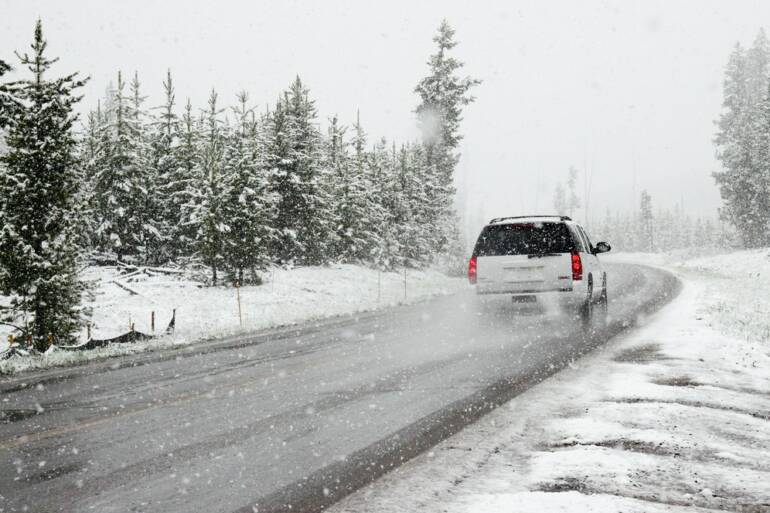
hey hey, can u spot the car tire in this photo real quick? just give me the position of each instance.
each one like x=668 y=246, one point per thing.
x=586 y=312
x=601 y=311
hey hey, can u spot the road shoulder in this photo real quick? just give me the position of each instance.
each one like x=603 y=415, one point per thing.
x=671 y=417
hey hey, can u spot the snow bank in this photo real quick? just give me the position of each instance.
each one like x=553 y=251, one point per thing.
x=286 y=297
x=673 y=417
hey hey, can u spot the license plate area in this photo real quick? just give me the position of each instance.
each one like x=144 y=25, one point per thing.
x=524 y=299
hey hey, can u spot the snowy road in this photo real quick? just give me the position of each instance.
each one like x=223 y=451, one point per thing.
x=298 y=416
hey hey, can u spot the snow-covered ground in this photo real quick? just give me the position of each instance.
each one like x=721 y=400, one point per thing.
x=288 y=296
x=672 y=417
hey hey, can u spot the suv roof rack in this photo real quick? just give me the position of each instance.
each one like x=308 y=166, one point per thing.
x=498 y=219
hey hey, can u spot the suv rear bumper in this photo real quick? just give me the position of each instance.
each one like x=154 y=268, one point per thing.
x=487 y=290
x=570 y=295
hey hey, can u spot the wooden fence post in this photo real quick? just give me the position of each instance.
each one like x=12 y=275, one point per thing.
x=152 y=321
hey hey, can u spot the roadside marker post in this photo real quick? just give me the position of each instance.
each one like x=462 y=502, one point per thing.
x=152 y=321
x=238 y=294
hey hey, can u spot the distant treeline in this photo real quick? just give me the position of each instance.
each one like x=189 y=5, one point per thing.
x=662 y=230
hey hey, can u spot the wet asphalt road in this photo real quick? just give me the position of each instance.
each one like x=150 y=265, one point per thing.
x=297 y=416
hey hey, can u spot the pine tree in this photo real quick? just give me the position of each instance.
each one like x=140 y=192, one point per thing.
x=148 y=237
x=183 y=187
x=420 y=235
x=164 y=172
x=40 y=202
x=646 y=221
x=120 y=186
x=7 y=102
x=387 y=252
x=443 y=94
x=742 y=143
x=303 y=218
x=206 y=208
x=247 y=205
x=346 y=208
x=572 y=200
x=560 y=203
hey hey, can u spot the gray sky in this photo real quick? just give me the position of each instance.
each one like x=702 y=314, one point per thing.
x=601 y=84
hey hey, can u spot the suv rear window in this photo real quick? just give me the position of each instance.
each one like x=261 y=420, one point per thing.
x=524 y=239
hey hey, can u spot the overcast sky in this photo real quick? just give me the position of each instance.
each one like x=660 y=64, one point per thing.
x=605 y=86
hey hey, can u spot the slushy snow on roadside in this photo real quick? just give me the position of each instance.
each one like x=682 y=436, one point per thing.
x=674 y=416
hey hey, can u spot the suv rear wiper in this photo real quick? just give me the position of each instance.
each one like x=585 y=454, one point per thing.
x=541 y=255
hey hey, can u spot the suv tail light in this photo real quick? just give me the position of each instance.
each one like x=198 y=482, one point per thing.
x=472 y=270
x=577 y=266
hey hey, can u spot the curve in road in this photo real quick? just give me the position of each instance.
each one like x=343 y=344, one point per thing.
x=299 y=416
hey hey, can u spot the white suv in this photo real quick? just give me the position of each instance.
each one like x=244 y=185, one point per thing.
x=541 y=258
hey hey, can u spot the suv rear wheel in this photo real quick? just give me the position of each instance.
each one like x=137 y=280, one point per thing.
x=586 y=312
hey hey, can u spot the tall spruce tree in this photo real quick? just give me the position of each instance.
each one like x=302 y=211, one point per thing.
x=164 y=166
x=303 y=220
x=646 y=221
x=182 y=188
x=149 y=238
x=354 y=230
x=40 y=203
x=247 y=204
x=387 y=253
x=120 y=180
x=207 y=214
x=443 y=94
x=741 y=143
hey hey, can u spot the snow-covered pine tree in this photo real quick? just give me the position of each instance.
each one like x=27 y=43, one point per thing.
x=40 y=204
x=443 y=94
x=741 y=143
x=182 y=188
x=387 y=253
x=354 y=204
x=304 y=214
x=169 y=186
x=206 y=206
x=149 y=238
x=247 y=205
x=346 y=219
x=646 y=221
x=119 y=183
x=420 y=234
x=560 y=203
x=573 y=201
x=407 y=198
x=6 y=100
x=89 y=155
x=366 y=211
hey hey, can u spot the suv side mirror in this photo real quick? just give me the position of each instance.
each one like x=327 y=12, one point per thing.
x=602 y=247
